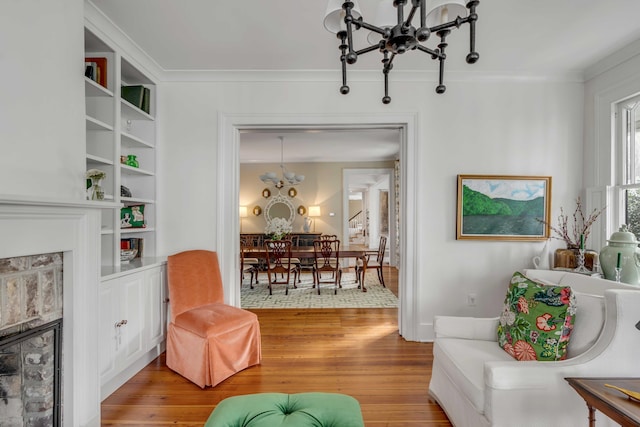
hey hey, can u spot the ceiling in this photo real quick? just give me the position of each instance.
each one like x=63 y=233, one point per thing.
x=514 y=37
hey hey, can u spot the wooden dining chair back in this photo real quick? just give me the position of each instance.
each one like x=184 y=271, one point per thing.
x=327 y=259
x=248 y=264
x=373 y=264
x=279 y=263
x=207 y=340
x=328 y=237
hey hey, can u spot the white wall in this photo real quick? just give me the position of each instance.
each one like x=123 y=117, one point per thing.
x=322 y=187
x=489 y=127
x=42 y=99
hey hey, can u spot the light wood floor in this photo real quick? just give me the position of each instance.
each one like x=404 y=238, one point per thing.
x=352 y=351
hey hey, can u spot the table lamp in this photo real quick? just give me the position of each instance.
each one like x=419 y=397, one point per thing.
x=243 y=214
x=314 y=211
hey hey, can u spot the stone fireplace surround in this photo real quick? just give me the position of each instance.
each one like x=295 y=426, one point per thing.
x=36 y=226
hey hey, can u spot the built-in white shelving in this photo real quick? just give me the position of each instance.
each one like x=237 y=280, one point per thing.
x=116 y=130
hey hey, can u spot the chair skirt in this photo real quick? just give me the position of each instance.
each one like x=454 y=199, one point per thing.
x=208 y=344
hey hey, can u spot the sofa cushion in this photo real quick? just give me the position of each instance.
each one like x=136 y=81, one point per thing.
x=536 y=320
x=463 y=360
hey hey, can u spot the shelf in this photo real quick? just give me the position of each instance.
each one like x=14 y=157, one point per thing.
x=98 y=160
x=132 y=141
x=134 y=171
x=93 y=89
x=134 y=113
x=95 y=124
x=117 y=128
x=136 y=230
x=136 y=201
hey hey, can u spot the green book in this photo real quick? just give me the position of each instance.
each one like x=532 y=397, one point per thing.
x=133 y=94
x=146 y=100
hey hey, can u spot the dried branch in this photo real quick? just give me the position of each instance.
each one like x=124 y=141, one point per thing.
x=581 y=225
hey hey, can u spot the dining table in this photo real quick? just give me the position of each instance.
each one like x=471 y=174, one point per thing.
x=359 y=252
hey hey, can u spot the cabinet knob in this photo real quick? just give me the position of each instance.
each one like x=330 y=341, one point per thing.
x=121 y=323
x=166 y=301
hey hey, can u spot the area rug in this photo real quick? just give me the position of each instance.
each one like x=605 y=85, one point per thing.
x=305 y=296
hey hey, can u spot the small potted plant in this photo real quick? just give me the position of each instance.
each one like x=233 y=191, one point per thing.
x=95 y=191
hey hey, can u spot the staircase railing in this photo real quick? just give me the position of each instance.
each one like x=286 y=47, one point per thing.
x=356 y=223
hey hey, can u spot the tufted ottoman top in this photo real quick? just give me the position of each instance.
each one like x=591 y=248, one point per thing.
x=287 y=410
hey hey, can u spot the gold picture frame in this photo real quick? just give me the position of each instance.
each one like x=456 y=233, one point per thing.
x=257 y=210
x=266 y=193
x=503 y=207
x=292 y=192
x=302 y=210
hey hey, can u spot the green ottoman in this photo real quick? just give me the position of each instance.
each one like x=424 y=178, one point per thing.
x=287 y=410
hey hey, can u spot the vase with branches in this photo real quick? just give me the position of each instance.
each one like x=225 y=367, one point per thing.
x=574 y=230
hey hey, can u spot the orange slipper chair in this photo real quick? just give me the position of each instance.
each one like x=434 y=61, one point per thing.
x=207 y=340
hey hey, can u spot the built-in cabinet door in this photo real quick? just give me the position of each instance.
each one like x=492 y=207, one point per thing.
x=132 y=319
x=132 y=308
x=122 y=311
x=108 y=339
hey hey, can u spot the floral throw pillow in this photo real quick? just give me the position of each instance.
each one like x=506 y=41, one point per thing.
x=536 y=320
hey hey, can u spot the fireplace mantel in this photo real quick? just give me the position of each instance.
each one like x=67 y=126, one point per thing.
x=31 y=226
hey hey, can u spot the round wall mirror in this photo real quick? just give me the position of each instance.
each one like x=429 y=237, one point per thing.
x=279 y=207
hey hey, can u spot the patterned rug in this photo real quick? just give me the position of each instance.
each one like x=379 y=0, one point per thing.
x=349 y=296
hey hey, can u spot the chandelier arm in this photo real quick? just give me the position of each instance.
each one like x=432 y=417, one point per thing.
x=371 y=27
x=435 y=54
x=367 y=49
x=441 y=88
x=344 y=89
x=473 y=56
x=399 y=4
x=412 y=12
x=348 y=19
x=455 y=23
x=386 y=99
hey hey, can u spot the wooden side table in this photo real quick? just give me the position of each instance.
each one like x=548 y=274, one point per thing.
x=610 y=402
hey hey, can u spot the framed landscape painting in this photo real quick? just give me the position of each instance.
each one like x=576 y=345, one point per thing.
x=497 y=207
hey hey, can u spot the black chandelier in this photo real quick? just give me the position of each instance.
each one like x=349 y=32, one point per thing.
x=399 y=36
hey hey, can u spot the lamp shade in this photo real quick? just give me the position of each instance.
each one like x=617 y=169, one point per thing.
x=334 y=16
x=243 y=212
x=386 y=17
x=444 y=11
x=314 y=210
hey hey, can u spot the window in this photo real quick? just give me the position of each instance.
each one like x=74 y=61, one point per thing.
x=628 y=189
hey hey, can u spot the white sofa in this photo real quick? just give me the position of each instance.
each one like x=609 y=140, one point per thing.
x=478 y=384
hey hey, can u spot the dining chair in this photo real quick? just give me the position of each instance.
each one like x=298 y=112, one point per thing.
x=207 y=340
x=248 y=264
x=327 y=259
x=279 y=262
x=296 y=262
x=328 y=237
x=373 y=264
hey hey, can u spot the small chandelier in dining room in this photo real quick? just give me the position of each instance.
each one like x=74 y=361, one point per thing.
x=392 y=35
x=288 y=178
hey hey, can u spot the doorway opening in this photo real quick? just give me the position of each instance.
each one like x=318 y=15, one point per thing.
x=228 y=224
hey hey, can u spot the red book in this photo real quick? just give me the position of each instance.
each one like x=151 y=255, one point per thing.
x=101 y=63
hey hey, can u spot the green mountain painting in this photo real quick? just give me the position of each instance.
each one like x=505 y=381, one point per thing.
x=503 y=208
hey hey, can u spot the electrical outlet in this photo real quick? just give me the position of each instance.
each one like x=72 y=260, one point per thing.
x=471 y=299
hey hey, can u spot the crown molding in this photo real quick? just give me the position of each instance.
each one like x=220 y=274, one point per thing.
x=615 y=59
x=103 y=27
